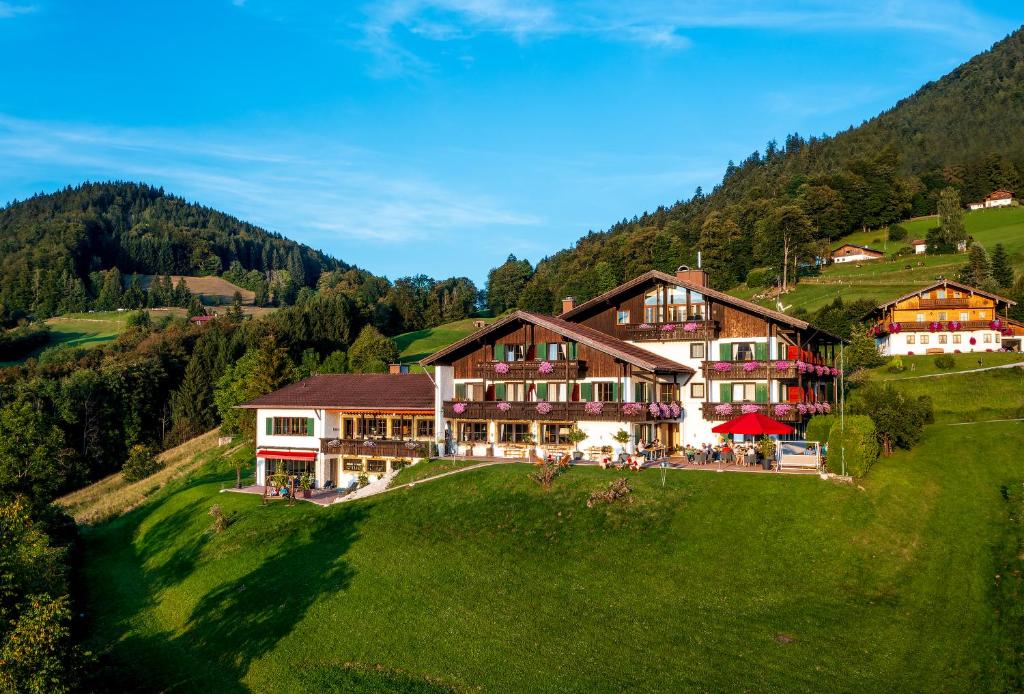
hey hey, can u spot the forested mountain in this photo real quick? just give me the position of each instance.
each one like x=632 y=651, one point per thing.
x=964 y=131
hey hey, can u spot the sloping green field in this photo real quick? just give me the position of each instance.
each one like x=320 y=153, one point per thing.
x=416 y=345
x=909 y=580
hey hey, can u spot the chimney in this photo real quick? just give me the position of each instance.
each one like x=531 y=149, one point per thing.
x=696 y=276
x=398 y=369
x=568 y=304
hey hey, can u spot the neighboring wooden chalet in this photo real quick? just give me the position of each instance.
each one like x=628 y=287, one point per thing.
x=944 y=317
x=850 y=253
x=661 y=356
x=997 y=198
x=335 y=424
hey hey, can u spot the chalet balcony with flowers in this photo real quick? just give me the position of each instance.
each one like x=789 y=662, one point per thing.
x=945 y=317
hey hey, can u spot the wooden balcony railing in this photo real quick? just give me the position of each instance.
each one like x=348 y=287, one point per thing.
x=530 y=370
x=759 y=371
x=668 y=332
x=559 y=412
x=925 y=326
x=950 y=302
x=384 y=448
x=783 y=412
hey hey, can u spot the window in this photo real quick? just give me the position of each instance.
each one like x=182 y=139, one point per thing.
x=555 y=433
x=956 y=339
x=698 y=308
x=697 y=390
x=292 y=426
x=401 y=428
x=965 y=315
x=606 y=392
x=551 y=392
x=987 y=337
x=352 y=465
x=924 y=339
x=349 y=428
x=513 y=432
x=940 y=294
x=425 y=428
x=372 y=427
x=743 y=392
x=743 y=351
x=514 y=392
x=622 y=317
x=291 y=467
x=942 y=315
x=473 y=431
x=652 y=314
x=920 y=318
x=642 y=392
x=943 y=339
x=667 y=392
x=911 y=339
x=515 y=352
x=556 y=351
x=376 y=466
x=696 y=350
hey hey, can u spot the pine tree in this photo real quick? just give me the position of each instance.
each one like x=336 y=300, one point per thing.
x=109 y=297
x=1002 y=271
x=979 y=268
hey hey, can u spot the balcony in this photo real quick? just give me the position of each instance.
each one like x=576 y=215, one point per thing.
x=925 y=326
x=949 y=302
x=383 y=448
x=699 y=330
x=530 y=370
x=712 y=412
x=527 y=412
x=760 y=370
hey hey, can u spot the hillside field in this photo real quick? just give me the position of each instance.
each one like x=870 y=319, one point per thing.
x=210 y=290
x=419 y=344
x=908 y=580
x=889 y=277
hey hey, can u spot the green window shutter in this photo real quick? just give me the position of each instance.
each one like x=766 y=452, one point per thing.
x=499 y=391
x=571 y=350
x=542 y=391
x=270 y=425
x=725 y=391
x=761 y=351
x=725 y=351
x=615 y=392
x=309 y=426
x=542 y=351
x=586 y=392
x=499 y=352
x=760 y=392
x=460 y=391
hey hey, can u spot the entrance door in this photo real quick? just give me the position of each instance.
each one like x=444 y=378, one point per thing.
x=668 y=434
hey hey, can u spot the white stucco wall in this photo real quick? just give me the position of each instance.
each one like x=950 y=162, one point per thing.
x=857 y=257
x=889 y=345
x=305 y=443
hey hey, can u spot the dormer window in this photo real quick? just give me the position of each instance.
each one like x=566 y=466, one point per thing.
x=622 y=317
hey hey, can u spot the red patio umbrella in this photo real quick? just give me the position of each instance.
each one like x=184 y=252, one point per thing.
x=754 y=423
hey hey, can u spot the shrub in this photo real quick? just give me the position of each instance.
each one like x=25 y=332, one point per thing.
x=897 y=232
x=140 y=464
x=854 y=440
x=896 y=365
x=546 y=474
x=220 y=521
x=618 y=490
x=761 y=277
x=945 y=361
x=899 y=419
x=819 y=426
x=363 y=479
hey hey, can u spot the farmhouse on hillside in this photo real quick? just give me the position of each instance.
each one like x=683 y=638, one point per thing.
x=920 y=246
x=849 y=253
x=997 y=198
x=945 y=317
x=659 y=357
x=336 y=424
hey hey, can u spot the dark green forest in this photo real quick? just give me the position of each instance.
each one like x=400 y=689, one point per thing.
x=964 y=131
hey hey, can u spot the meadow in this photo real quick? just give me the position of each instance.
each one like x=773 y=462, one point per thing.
x=419 y=344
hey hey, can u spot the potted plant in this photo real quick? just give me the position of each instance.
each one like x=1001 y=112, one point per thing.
x=576 y=436
x=306 y=485
x=279 y=480
x=767 y=448
x=529 y=441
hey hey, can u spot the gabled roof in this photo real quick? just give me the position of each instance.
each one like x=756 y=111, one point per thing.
x=721 y=297
x=584 y=335
x=918 y=242
x=941 y=283
x=863 y=248
x=356 y=392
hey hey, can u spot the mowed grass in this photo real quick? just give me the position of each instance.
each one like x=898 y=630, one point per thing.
x=430 y=468
x=416 y=345
x=924 y=364
x=483 y=581
x=973 y=397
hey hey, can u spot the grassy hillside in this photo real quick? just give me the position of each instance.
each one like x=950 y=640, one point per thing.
x=893 y=276
x=713 y=582
x=211 y=290
x=416 y=345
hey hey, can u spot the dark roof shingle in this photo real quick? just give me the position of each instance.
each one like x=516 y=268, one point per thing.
x=375 y=392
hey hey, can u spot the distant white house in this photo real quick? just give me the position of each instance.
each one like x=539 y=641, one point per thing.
x=920 y=246
x=997 y=198
x=850 y=253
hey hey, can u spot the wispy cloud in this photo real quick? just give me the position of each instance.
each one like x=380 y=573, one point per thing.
x=319 y=193
x=654 y=24
x=8 y=10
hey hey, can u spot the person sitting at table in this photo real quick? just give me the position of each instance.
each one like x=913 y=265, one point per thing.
x=689 y=451
x=641 y=449
x=655 y=447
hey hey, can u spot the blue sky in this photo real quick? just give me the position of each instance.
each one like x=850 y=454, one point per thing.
x=414 y=136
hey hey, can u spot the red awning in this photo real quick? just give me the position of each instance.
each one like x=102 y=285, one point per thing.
x=286 y=455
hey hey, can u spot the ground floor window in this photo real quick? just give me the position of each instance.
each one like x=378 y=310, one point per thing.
x=352 y=465
x=943 y=339
x=376 y=466
x=424 y=428
x=643 y=432
x=473 y=431
x=956 y=339
x=555 y=433
x=290 y=467
x=513 y=432
x=924 y=339
x=987 y=337
x=911 y=339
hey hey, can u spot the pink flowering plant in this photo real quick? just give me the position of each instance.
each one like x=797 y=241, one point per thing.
x=996 y=324
x=954 y=325
x=645 y=326
x=594 y=407
x=459 y=408
x=895 y=328
x=501 y=368
x=654 y=409
x=749 y=408
x=782 y=365
x=826 y=407
x=722 y=366
x=504 y=406
x=545 y=367
x=801 y=408
x=723 y=409
x=632 y=408
x=783 y=409
x=749 y=366
x=543 y=408
x=934 y=326
x=668 y=327
x=675 y=410
x=690 y=327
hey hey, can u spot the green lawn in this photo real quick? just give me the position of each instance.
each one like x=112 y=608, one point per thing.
x=483 y=581
x=429 y=468
x=997 y=394
x=416 y=345
x=922 y=365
